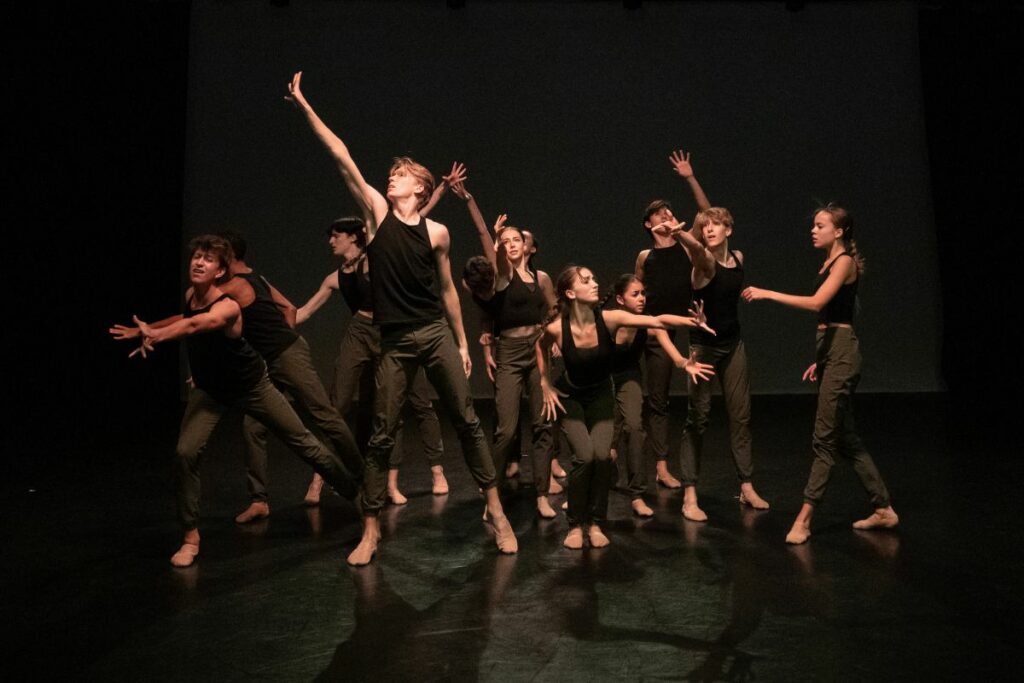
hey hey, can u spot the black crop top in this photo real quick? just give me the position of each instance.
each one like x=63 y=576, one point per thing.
x=721 y=296
x=264 y=325
x=519 y=305
x=842 y=306
x=404 y=276
x=355 y=287
x=587 y=367
x=667 y=280
x=627 y=356
x=222 y=366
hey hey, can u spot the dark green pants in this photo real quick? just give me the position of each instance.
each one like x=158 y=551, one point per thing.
x=839 y=363
x=404 y=351
x=658 y=367
x=517 y=372
x=731 y=372
x=293 y=372
x=266 y=404
x=356 y=368
x=589 y=422
x=629 y=435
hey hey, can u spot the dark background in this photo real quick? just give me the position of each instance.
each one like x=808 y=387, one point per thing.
x=96 y=144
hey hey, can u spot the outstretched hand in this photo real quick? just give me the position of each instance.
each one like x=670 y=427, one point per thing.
x=696 y=370
x=681 y=163
x=123 y=332
x=295 y=91
x=457 y=176
x=811 y=373
x=754 y=294
x=669 y=227
x=146 y=332
x=697 y=313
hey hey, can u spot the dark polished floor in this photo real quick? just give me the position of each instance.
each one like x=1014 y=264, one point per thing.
x=89 y=594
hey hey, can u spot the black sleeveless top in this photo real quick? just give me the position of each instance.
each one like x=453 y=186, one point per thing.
x=667 y=280
x=721 y=297
x=403 y=276
x=520 y=305
x=842 y=306
x=355 y=288
x=264 y=325
x=590 y=367
x=221 y=366
x=626 y=358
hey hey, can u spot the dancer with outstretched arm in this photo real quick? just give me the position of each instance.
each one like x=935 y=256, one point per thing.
x=413 y=294
x=836 y=370
x=227 y=373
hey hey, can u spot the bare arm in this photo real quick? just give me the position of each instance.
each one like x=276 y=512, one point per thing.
x=225 y=313
x=339 y=151
x=700 y=256
x=681 y=163
x=441 y=242
x=638 y=270
x=456 y=175
x=486 y=240
x=842 y=269
x=327 y=287
x=551 y=335
x=695 y=369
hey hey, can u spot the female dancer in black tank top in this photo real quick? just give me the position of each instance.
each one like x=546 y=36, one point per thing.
x=836 y=370
x=627 y=376
x=717 y=282
x=227 y=373
x=586 y=336
x=520 y=303
x=355 y=366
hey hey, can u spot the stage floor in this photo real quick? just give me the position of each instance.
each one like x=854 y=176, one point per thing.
x=89 y=594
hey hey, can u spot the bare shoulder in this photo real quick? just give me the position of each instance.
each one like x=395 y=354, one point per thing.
x=641 y=259
x=739 y=255
x=543 y=278
x=438 y=232
x=227 y=308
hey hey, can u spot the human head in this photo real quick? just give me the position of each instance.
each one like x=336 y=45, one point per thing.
x=239 y=247
x=478 y=276
x=408 y=177
x=714 y=225
x=213 y=249
x=832 y=223
x=575 y=283
x=514 y=242
x=657 y=212
x=345 y=231
x=630 y=293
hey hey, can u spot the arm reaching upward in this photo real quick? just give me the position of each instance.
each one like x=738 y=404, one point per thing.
x=681 y=163
x=486 y=240
x=457 y=175
x=370 y=197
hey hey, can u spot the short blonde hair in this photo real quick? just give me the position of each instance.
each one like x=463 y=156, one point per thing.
x=714 y=214
x=420 y=173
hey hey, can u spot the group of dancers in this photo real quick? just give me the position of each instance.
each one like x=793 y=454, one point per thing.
x=406 y=329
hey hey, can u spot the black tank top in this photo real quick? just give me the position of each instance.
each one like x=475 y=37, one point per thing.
x=667 y=280
x=520 y=305
x=221 y=366
x=403 y=276
x=627 y=356
x=355 y=287
x=842 y=306
x=588 y=367
x=263 y=324
x=721 y=297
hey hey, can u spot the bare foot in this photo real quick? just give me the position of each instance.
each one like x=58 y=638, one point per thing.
x=748 y=496
x=665 y=478
x=512 y=470
x=258 y=509
x=882 y=518
x=597 y=537
x=574 y=539
x=440 y=486
x=396 y=497
x=364 y=552
x=186 y=554
x=557 y=470
x=554 y=488
x=313 y=492
x=544 y=508
x=691 y=510
x=642 y=509
x=798 y=534
x=504 y=536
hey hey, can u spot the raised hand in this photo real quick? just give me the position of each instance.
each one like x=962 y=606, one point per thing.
x=697 y=313
x=811 y=373
x=457 y=176
x=295 y=91
x=696 y=370
x=681 y=163
x=500 y=222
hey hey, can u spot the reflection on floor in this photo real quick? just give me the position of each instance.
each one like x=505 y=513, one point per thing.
x=88 y=584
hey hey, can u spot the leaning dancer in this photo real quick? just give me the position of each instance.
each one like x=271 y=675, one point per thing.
x=269 y=321
x=357 y=360
x=836 y=370
x=227 y=373
x=586 y=335
x=630 y=343
x=413 y=292
x=665 y=271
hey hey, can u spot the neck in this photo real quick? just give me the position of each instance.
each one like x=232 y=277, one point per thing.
x=721 y=252
x=837 y=248
x=239 y=266
x=206 y=292
x=661 y=241
x=581 y=314
x=351 y=252
x=406 y=209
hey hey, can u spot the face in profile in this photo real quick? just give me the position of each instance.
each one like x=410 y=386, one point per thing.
x=824 y=232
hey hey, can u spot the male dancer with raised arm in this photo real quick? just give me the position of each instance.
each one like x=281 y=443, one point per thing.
x=413 y=293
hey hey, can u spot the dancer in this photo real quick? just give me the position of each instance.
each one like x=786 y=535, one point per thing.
x=665 y=271
x=412 y=293
x=586 y=335
x=227 y=373
x=268 y=319
x=836 y=370
x=630 y=343
x=355 y=367
x=717 y=282
x=521 y=301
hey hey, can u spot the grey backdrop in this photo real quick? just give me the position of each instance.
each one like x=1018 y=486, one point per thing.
x=565 y=115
